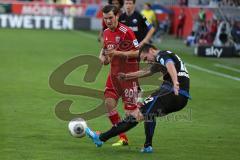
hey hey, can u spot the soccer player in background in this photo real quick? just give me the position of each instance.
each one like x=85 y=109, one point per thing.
x=172 y=95
x=142 y=29
x=120 y=48
x=181 y=24
x=149 y=14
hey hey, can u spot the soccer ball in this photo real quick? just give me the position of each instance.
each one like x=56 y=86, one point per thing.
x=77 y=127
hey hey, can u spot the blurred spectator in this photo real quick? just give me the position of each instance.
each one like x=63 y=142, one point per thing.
x=196 y=25
x=202 y=40
x=235 y=33
x=202 y=30
x=222 y=37
x=191 y=40
x=211 y=30
x=149 y=14
x=181 y=22
x=202 y=15
x=165 y=25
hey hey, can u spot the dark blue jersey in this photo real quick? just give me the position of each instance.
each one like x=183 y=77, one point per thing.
x=162 y=59
x=137 y=23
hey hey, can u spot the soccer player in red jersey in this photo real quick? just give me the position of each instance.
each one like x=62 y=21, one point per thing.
x=120 y=48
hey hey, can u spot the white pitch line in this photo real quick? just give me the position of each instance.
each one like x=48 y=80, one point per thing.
x=227 y=67
x=213 y=72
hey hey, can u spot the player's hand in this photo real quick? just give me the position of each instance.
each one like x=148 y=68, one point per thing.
x=109 y=52
x=99 y=39
x=121 y=76
x=176 y=88
x=104 y=60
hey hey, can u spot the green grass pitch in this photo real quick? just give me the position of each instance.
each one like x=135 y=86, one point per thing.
x=208 y=128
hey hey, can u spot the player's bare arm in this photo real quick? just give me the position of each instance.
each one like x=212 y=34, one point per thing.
x=139 y=74
x=173 y=73
x=100 y=36
x=103 y=58
x=148 y=36
x=130 y=54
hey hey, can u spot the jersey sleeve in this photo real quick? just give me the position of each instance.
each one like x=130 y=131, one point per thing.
x=145 y=22
x=164 y=58
x=131 y=37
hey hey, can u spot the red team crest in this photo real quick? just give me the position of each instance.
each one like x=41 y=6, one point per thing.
x=117 y=39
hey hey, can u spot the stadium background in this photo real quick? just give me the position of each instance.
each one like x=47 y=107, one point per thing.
x=207 y=129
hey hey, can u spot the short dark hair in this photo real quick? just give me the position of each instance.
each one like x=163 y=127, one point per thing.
x=108 y=8
x=120 y=2
x=145 y=48
x=134 y=1
x=148 y=4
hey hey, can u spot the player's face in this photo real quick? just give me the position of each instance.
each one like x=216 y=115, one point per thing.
x=110 y=20
x=148 y=57
x=146 y=7
x=129 y=6
x=116 y=3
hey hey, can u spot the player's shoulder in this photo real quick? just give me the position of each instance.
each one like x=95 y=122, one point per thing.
x=106 y=31
x=123 y=28
x=137 y=13
x=164 y=53
x=140 y=16
x=123 y=15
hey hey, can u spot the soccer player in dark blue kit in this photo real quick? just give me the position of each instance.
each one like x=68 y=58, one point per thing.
x=172 y=95
x=142 y=29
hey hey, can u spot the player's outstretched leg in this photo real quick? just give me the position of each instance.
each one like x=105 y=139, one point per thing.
x=94 y=136
x=128 y=123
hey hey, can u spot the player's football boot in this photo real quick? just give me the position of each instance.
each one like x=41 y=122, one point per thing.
x=148 y=149
x=94 y=136
x=121 y=142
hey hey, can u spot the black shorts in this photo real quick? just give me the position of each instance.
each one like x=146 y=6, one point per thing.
x=162 y=102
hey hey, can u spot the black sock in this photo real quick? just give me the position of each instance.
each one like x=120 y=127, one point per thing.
x=149 y=126
x=123 y=126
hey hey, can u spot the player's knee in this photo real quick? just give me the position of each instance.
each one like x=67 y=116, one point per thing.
x=110 y=104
